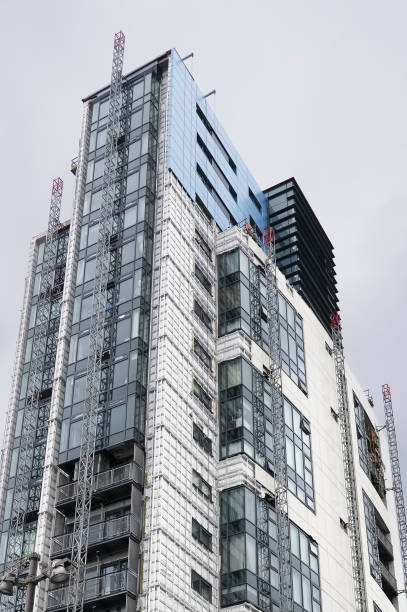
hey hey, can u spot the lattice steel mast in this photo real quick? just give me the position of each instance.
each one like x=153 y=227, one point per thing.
x=25 y=460
x=97 y=327
x=359 y=583
x=280 y=463
x=397 y=483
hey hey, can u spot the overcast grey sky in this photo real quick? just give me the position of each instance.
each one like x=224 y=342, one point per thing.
x=311 y=89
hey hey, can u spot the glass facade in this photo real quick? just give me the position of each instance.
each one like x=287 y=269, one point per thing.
x=304 y=252
x=124 y=370
x=38 y=451
x=369 y=448
x=246 y=426
x=204 y=159
x=249 y=555
x=243 y=305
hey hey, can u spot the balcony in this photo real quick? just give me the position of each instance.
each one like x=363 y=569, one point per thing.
x=110 y=533
x=389 y=583
x=100 y=593
x=104 y=483
x=385 y=546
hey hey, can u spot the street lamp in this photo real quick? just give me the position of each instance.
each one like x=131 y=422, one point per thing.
x=58 y=573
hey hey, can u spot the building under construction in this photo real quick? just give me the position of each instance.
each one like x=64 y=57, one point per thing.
x=182 y=423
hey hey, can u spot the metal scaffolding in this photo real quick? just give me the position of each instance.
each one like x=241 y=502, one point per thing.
x=97 y=329
x=359 y=583
x=395 y=471
x=35 y=380
x=280 y=463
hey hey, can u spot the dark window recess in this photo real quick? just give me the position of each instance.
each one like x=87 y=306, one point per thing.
x=202 y=355
x=203 y=588
x=202 y=396
x=202 y=243
x=205 y=282
x=203 y=208
x=216 y=138
x=217 y=168
x=328 y=349
x=201 y=485
x=201 y=534
x=215 y=195
x=202 y=315
x=203 y=440
x=254 y=200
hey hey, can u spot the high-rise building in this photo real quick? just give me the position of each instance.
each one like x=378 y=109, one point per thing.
x=304 y=251
x=145 y=434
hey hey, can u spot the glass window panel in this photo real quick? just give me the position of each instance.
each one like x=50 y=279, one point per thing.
x=72 y=348
x=75 y=434
x=133 y=366
x=96 y=200
x=89 y=171
x=304 y=548
x=24 y=383
x=117 y=419
x=33 y=314
x=141 y=209
x=126 y=290
x=290 y=453
x=84 y=237
x=136 y=120
x=128 y=252
x=143 y=175
x=306 y=592
x=86 y=203
x=251 y=554
x=244 y=264
x=134 y=150
x=130 y=217
x=98 y=169
x=86 y=310
x=137 y=283
x=19 y=423
x=120 y=376
x=3 y=546
x=76 y=309
x=36 y=283
x=64 y=435
x=79 y=273
x=28 y=349
x=123 y=330
x=236 y=504
x=132 y=182
x=83 y=347
x=138 y=90
x=297 y=588
x=79 y=390
x=299 y=465
x=101 y=139
x=68 y=390
x=103 y=109
x=40 y=255
x=90 y=269
x=93 y=234
x=139 y=245
x=236 y=552
x=147 y=83
x=250 y=506
x=13 y=464
x=290 y=315
x=135 y=318
x=7 y=506
x=146 y=112
x=144 y=143
x=294 y=539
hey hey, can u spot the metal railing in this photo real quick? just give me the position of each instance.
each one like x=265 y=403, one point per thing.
x=102 y=480
x=103 y=586
x=100 y=532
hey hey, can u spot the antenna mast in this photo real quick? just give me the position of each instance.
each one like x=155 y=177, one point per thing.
x=395 y=471
x=349 y=468
x=280 y=464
